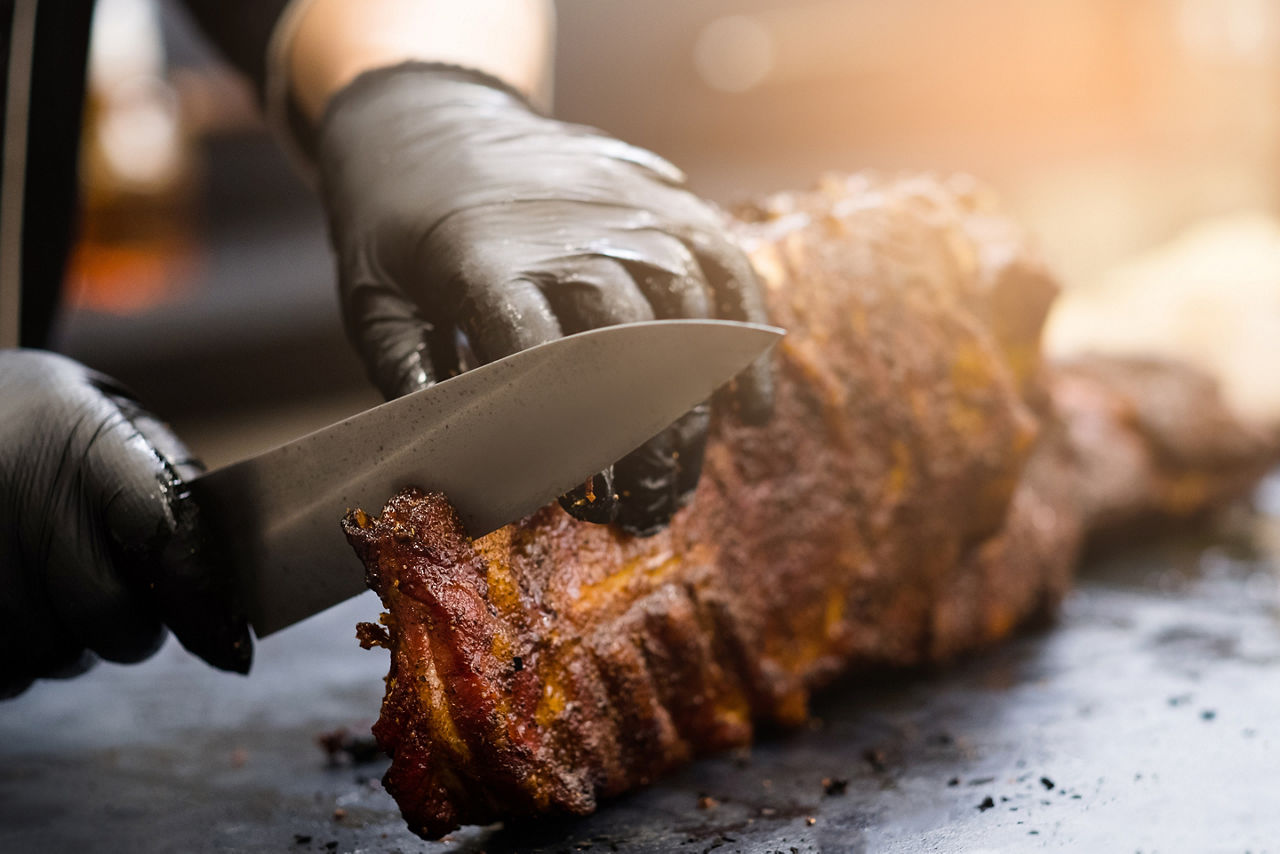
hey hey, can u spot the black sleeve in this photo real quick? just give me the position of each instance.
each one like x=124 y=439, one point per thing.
x=241 y=30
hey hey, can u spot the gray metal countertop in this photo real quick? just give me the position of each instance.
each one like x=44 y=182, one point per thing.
x=1147 y=719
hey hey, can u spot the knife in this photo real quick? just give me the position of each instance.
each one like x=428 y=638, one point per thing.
x=501 y=441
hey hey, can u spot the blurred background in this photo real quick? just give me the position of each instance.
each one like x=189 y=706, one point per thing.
x=1112 y=129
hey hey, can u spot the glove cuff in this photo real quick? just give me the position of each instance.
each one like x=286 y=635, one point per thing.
x=302 y=137
x=436 y=72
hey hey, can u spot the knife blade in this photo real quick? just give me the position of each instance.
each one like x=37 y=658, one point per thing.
x=500 y=441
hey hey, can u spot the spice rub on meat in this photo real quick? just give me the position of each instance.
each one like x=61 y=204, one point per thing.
x=922 y=490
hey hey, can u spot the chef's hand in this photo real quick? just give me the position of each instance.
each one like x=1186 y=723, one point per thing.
x=99 y=548
x=453 y=206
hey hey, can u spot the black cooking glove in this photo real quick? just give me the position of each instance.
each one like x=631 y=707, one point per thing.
x=454 y=207
x=99 y=548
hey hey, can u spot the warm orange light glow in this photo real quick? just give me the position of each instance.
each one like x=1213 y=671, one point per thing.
x=128 y=279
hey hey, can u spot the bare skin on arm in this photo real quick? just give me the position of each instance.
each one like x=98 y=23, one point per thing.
x=336 y=41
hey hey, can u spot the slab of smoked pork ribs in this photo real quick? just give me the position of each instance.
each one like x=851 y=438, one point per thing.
x=922 y=490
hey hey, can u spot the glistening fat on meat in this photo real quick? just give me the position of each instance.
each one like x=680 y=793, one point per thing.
x=922 y=490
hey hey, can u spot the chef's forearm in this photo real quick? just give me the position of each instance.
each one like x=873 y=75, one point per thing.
x=333 y=41
x=327 y=43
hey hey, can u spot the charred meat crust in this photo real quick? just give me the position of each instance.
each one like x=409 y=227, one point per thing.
x=922 y=490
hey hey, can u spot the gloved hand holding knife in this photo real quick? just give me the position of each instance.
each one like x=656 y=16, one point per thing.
x=100 y=548
x=457 y=212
